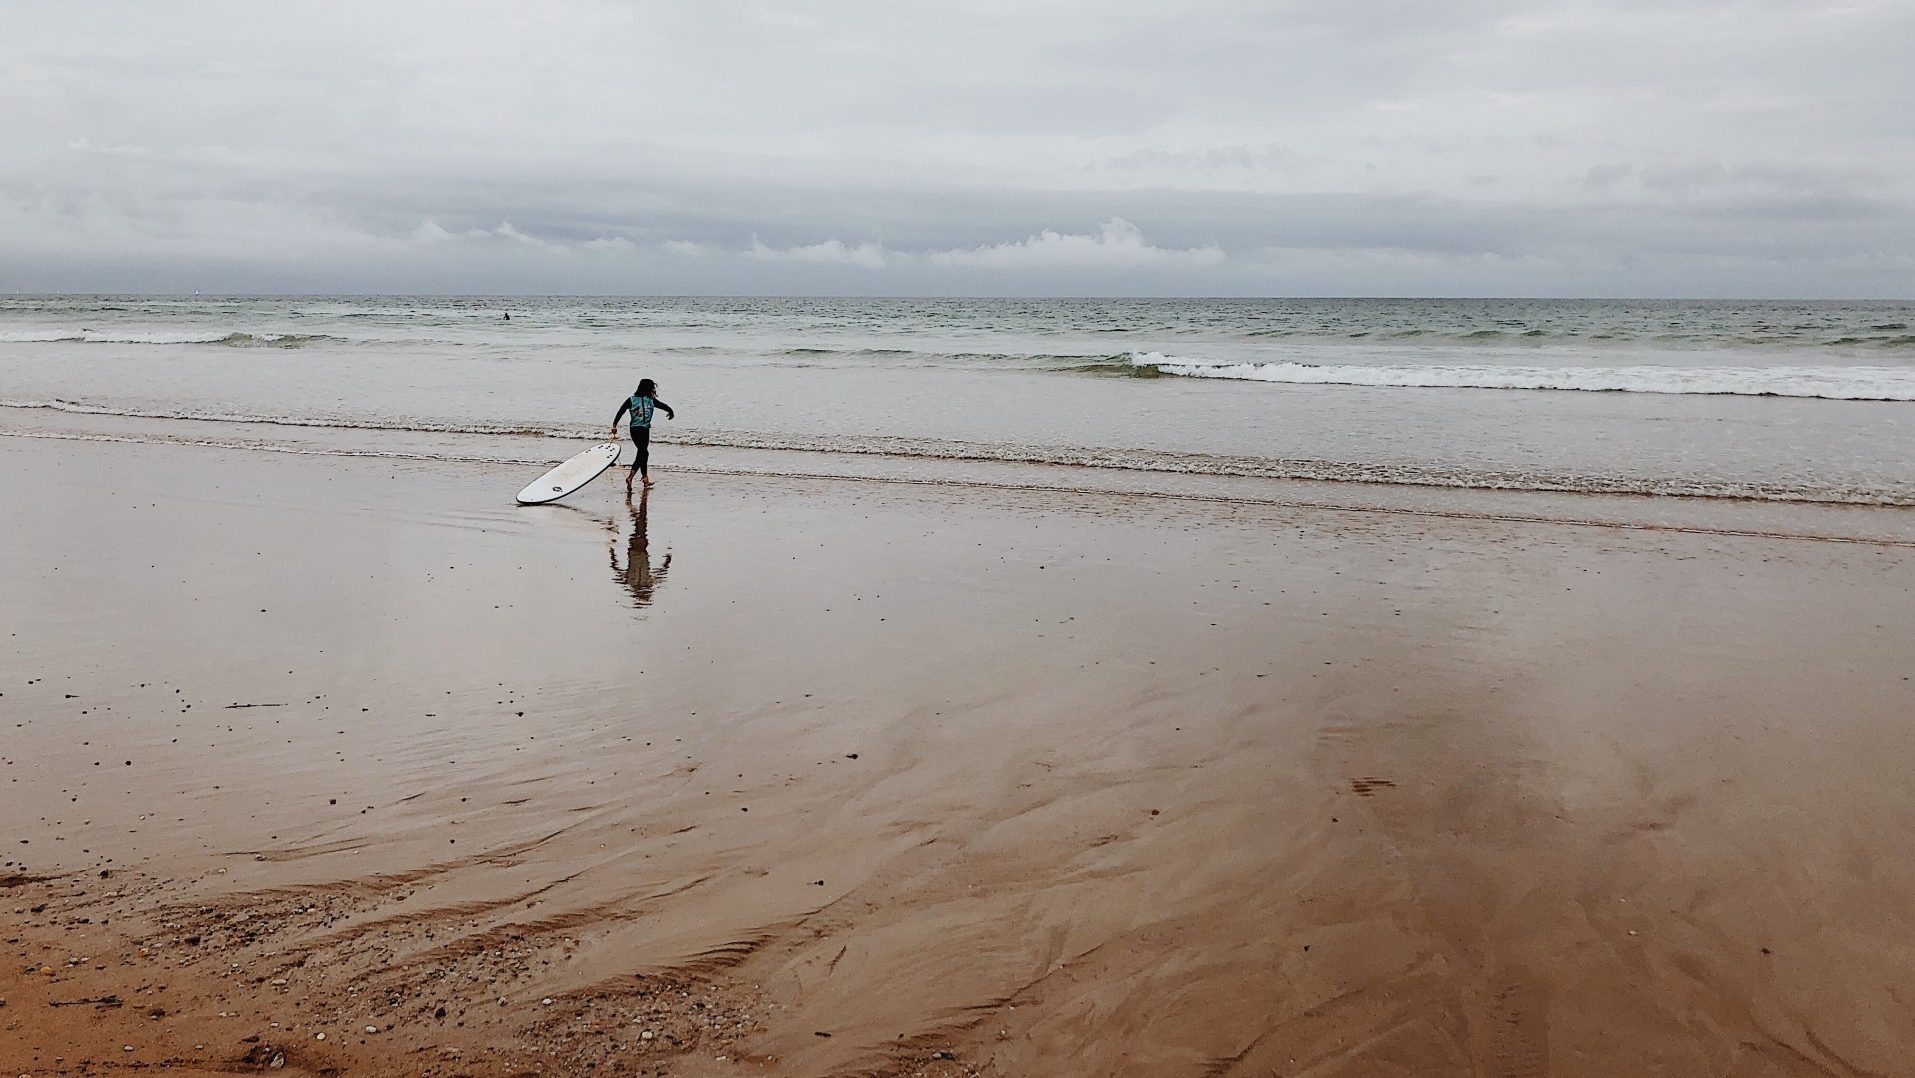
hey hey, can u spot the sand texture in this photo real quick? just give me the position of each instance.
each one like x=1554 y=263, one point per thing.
x=828 y=777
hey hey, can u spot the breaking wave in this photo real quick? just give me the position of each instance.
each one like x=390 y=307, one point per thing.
x=413 y=425
x=229 y=340
x=1879 y=337
x=1829 y=383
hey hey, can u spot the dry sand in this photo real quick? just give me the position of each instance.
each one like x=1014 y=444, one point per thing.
x=874 y=779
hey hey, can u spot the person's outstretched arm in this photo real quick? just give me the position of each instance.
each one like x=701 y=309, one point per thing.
x=624 y=407
x=666 y=408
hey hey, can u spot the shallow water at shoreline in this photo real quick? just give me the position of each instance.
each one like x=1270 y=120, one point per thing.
x=1264 y=389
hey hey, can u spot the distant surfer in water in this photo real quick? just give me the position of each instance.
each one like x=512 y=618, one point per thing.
x=640 y=404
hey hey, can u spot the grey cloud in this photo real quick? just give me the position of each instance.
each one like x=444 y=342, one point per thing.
x=1235 y=156
x=1699 y=147
x=832 y=252
x=1602 y=178
x=1116 y=243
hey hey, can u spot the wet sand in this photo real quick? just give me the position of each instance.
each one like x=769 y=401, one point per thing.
x=839 y=777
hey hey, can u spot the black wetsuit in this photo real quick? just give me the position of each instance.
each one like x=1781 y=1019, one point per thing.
x=641 y=411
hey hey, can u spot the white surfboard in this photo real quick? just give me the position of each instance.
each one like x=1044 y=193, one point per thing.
x=570 y=476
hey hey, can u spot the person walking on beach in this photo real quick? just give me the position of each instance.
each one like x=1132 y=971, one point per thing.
x=640 y=404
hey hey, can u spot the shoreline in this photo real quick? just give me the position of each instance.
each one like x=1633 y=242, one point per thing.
x=1885 y=524
x=1160 y=466
x=912 y=778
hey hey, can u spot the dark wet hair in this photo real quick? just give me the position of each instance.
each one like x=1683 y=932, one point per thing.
x=646 y=388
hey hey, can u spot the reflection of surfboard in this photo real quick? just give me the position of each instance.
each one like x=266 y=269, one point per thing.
x=570 y=476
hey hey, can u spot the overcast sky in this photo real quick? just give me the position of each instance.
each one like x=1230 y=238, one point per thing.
x=1307 y=147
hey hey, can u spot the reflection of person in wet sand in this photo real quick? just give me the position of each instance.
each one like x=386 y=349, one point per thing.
x=637 y=574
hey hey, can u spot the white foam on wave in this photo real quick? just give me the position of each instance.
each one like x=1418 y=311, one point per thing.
x=1831 y=383
x=88 y=336
x=411 y=425
x=63 y=336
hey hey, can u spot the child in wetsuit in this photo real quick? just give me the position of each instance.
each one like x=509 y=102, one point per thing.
x=640 y=404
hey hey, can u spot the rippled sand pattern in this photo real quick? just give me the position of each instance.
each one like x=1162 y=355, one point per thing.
x=883 y=779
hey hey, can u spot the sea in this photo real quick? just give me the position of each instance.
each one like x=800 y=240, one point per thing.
x=1800 y=402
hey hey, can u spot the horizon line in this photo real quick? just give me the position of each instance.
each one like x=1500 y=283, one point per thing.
x=958 y=296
